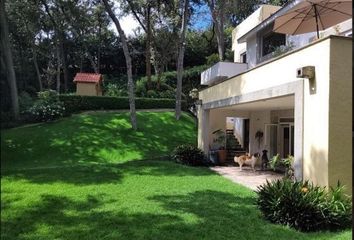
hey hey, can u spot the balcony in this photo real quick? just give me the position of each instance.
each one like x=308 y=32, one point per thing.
x=221 y=71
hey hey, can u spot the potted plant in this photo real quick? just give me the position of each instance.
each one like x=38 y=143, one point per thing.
x=220 y=140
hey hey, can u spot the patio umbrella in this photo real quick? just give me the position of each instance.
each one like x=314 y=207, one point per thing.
x=306 y=16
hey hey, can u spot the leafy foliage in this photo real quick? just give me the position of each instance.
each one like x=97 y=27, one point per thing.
x=46 y=108
x=25 y=101
x=114 y=90
x=303 y=206
x=277 y=163
x=189 y=155
x=76 y=103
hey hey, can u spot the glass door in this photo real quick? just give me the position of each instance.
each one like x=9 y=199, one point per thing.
x=286 y=139
x=271 y=139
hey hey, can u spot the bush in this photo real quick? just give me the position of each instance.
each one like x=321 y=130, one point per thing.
x=189 y=155
x=46 y=108
x=76 y=103
x=114 y=90
x=152 y=94
x=303 y=206
x=46 y=111
x=286 y=164
x=25 y=101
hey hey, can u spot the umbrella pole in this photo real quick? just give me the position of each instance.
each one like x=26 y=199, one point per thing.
x=316 y=17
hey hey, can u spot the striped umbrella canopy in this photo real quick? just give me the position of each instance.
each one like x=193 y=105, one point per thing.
x=306 y=16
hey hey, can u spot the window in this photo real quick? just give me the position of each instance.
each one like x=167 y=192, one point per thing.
x=243 y=57
x=272 y=40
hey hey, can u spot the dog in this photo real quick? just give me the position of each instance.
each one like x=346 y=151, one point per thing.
x=265 y=159
x=247 y=160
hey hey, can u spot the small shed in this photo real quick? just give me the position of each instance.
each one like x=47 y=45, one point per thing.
x=88 y=84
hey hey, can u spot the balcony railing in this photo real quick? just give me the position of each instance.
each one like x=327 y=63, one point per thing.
x=221 y=71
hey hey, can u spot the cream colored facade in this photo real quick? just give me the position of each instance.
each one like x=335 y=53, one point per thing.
x=88 y=89
x=322 y=125
x=263 y=12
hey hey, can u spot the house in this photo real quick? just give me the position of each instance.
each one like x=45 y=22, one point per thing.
x=88 y=84
x=296 y=90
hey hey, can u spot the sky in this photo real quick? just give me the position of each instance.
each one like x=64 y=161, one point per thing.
x=200 y=21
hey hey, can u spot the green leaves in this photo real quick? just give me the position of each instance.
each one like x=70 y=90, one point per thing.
x=304 y=206
x=189 y=155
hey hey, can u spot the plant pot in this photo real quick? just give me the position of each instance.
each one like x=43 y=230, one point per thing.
x=222 y=153
x=213 y=157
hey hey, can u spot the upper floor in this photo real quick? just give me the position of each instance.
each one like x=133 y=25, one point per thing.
x=254 y=42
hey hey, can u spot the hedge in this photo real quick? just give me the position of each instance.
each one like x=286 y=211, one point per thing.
x=76 y=103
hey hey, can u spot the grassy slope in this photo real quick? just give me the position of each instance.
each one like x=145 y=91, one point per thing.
x=120 y=199
x=95 y=138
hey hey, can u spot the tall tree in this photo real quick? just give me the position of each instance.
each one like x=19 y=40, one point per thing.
x=128 y=62
x=181 y=48
x=217 y=9
x=7 y=55
x=56 y=18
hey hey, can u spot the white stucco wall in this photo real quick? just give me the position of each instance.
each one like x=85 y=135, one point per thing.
x=326 y=133
x=263 y=12
x=252 y=52
x=258 y=119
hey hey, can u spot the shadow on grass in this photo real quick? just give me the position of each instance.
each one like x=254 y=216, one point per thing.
x=105 y=173
x=198 y=215
x=99 y=138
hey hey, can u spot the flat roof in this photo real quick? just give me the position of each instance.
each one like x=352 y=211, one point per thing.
x=268 y=20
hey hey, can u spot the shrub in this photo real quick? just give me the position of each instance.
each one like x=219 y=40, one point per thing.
x=212 y=59
x=114 y=90
x=76 y=103
x=151 y=94
x=46 y=108
x=189 y=155
x=286 y=164
x=303 y=206
x=46 y=111
x=25 y=101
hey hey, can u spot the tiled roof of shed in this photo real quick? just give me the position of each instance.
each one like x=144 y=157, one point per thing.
x=88 y=77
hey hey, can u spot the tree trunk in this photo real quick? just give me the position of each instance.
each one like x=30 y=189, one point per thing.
x=220 y=34
x=58 y=70
x=35 y=62
x=99 y=44
x=181 y=47
x=93 y=64
x=148 y=47
x=218 y=13
x=63 y=60
x=6 y=50
x=128 y=63
x=81 y=62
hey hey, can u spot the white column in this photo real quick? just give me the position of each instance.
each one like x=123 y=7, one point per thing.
x=203 y=129
x=299 y=131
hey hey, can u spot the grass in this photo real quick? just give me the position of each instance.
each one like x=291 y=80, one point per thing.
x=117 y=198
x=95 y=138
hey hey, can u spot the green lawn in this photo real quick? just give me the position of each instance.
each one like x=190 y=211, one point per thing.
x=91 y=184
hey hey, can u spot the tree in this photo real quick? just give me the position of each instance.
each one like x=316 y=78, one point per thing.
x=181 y=48
x=58 y=22
x=217 y=9
x=8 y=60
x=226 y=13
x=128 y=63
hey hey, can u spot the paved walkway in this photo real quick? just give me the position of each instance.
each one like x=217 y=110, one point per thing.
x=246 y=177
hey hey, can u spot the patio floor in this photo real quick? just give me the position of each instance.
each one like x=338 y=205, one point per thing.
x=246 y=177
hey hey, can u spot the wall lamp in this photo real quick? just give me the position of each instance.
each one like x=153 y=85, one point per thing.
x=309 y=73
